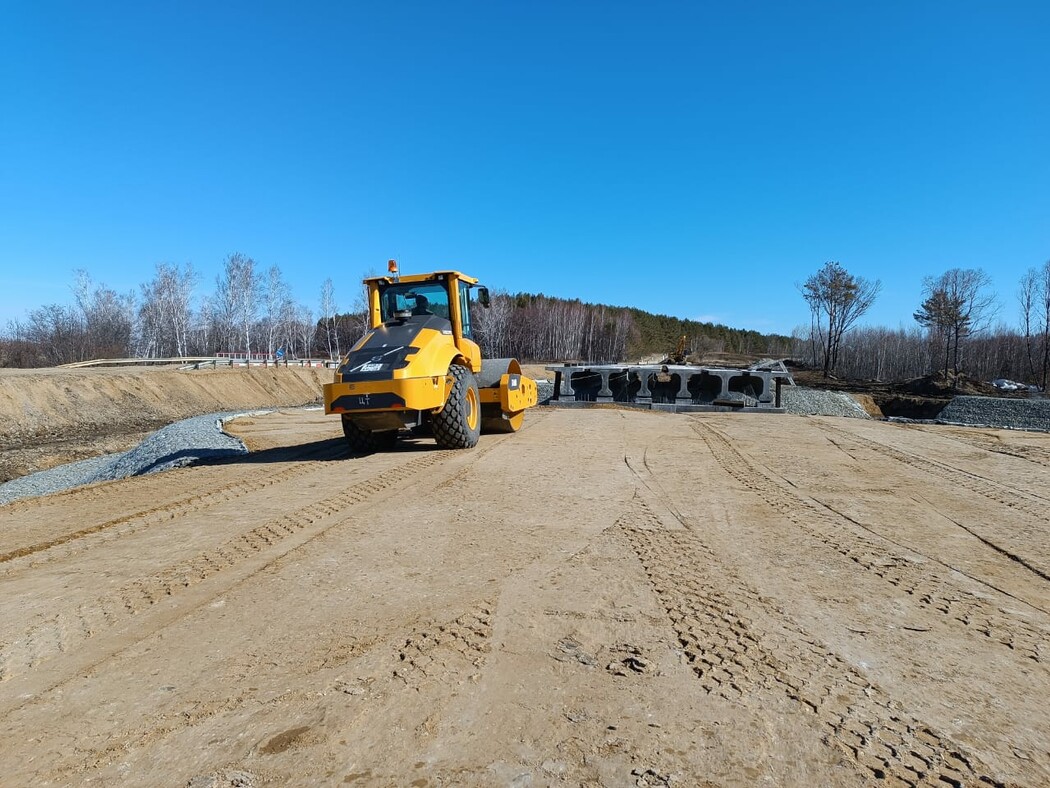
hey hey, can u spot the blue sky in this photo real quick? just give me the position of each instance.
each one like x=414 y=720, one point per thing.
x=690 y=158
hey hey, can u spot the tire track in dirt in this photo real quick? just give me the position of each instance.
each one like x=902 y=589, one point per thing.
x=441 y=650
x=136 y=521
x=934 y=592
x=188 y=714
x=1030 y=503
x=1033 y=454
x=382 y=665
x=429 y=651
x=733 y=658
x=55 y=634
x=250 y=483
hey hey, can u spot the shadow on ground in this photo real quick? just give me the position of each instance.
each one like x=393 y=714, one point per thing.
x=331 y=449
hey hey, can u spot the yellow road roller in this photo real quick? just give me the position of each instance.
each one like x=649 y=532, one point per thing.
x=417 y=368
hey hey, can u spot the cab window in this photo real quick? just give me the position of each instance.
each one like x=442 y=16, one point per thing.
x=417 y=298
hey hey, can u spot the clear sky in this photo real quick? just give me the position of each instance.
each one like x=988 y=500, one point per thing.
x=698 y=159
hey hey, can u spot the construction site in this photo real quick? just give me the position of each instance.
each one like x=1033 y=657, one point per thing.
x=612 y=594
x=525 y=395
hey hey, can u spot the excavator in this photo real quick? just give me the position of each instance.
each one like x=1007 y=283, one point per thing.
x=678 y=355
x=418 y=368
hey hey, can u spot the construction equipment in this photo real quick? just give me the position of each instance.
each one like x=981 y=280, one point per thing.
x=418 y=368
x=677 y=355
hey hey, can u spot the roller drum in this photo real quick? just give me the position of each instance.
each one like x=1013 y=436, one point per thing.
x=493 y=369
x=493 y=419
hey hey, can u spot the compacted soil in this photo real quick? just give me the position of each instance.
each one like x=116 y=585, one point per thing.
x=608 y=597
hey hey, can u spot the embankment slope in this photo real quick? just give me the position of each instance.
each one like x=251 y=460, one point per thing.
x=51 y=416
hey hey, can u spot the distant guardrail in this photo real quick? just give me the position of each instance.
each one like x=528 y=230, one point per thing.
x=203 y=362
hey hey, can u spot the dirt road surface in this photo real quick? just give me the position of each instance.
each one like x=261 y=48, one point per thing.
x=606 y=598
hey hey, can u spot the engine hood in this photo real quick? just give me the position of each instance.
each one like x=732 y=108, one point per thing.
x=393 y=346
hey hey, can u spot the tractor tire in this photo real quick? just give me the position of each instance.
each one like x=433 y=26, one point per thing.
x=458 y=424
x=362 y=441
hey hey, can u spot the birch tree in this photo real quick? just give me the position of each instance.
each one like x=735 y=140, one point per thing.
x=492 y=324
x=108 y=318
x=238 y=292
x=328 y=310
x=305 y=331
x=277 y=303
x=166 y=312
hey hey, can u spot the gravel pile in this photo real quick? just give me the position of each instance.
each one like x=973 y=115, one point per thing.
x=812 y=402
x=1015 y=414
x=545 y=389
x=182 y=443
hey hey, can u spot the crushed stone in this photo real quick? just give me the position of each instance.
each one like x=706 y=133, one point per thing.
x=814 y=402
x=183 y=443
x=544 y=391
x=1001 y=412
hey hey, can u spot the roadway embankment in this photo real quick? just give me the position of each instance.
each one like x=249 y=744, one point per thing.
x=50 y=416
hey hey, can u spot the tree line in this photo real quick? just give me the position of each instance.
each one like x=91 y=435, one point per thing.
x=250 y=310
x=954 y=333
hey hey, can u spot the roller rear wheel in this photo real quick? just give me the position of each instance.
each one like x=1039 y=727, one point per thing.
x=362 y=441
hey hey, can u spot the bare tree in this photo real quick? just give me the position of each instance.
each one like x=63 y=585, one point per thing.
x=166 y=312
x=836 y=300
x=277 y=305
x=238 y=292
x=206 y=333
x=351 y=326
x=99 y=325
x=53 y=334
x=491 y=325
x=1034 y=297
x=222 y=313
x=108 y=318
x=957 y=306
x=304 y=330
x=328 y=310
x=1044 y=319
x=287 y=335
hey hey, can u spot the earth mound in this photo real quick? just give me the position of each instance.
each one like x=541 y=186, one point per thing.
x=53 y=416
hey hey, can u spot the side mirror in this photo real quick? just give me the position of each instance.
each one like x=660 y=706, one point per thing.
x=483 y=297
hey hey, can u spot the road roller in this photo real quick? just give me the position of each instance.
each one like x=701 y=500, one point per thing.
x=418 y=370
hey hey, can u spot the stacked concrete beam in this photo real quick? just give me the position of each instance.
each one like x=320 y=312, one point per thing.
x=669 y=386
